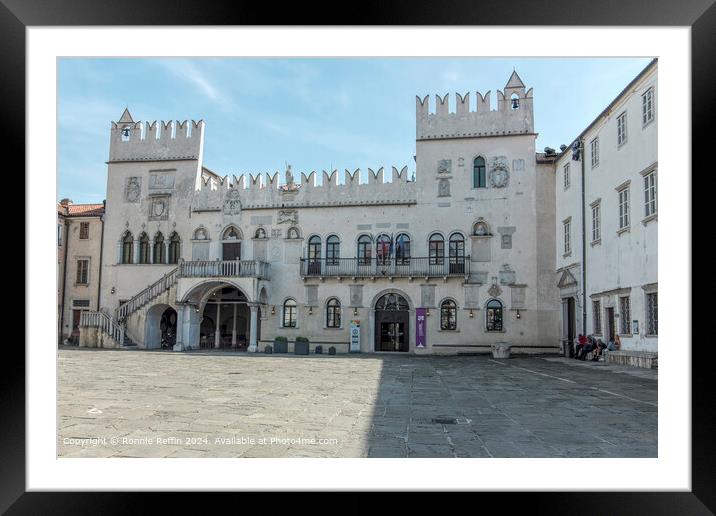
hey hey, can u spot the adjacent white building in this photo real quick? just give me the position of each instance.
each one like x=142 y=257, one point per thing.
x=606 y=222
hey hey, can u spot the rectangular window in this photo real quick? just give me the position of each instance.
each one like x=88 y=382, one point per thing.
x=596 y=222
x=624 y=208
x=647 y=106
x=84 y=230
x=594 y=147
x=566 y=176
x=652 y=312
x=82 y=272
x=624 y=315
x=621 y=128
x=59 y=235
x=650 y=194
x=81 y=303
x=567 y=237
x=597 y=316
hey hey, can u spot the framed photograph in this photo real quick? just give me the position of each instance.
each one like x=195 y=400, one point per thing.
x=181 y=154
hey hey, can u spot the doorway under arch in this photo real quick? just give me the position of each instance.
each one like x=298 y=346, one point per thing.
x=160 y=327
x=392 y=323
x=225 y=320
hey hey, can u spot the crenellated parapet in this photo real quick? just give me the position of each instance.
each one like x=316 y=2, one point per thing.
x=155 y=141
x=261 y=191
x=513 y=114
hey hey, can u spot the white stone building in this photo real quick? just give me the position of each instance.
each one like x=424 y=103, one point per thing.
x=79 y=245
x=463 y=254
x=606 y=218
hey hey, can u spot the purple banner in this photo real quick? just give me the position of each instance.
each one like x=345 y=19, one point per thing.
x=421 y=337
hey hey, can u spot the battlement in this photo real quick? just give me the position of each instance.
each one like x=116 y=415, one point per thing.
x=263 y=190
x=514 y=114
x=155 y=141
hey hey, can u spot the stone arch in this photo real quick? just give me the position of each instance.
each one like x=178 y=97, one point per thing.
x=294 y=230
x=154 y=334
x=226 y=233
x=481 y=223
x=376 y=297
x=201 y=234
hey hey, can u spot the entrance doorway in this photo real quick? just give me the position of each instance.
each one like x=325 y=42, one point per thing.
x=225 y=321
x=610 y=324
x=392 y=320
x=231 y=251
x=75 y=335
x=569 y=322
x=168 y=327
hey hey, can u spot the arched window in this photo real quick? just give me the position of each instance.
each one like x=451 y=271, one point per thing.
x=493 y=313
x=457 y=253
x=364 y=250
x=260 y=233
x=314 y=255
x=289 y=313
x=436 y=249
x=174 y=248
x=392 y=302
x=479 y=177
x=143 y=248
x=231 y=244
x=293 y=234
x=127 y=248
x=382 y=249
x=402 y=249
x=159 y=248
x=448 y=315
x=333 y=313
x=333 y=250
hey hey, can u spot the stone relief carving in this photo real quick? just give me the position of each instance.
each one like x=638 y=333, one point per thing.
x=201 y=234
x=444 y=188
x=159 y=209
x=232 y=203
x=494 y=290
x=276 y=233
x=444 y=166
x=499 y=172
x=133 y=191
x=461 y=162
x=163 y=181
x=480 y=228
x=290 y=216
x=356 y=295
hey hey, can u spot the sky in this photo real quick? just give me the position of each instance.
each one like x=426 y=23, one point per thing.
x=312 y=113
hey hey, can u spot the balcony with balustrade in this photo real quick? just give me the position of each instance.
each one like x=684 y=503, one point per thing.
x=413 y=267
x=224 y=269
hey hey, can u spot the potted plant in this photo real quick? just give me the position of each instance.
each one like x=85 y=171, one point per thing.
x=301 y=346
x=280 y=344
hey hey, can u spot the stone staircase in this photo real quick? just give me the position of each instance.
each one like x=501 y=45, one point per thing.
x=144 y=297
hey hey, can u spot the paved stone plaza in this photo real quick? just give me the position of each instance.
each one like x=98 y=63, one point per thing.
x=164 y=404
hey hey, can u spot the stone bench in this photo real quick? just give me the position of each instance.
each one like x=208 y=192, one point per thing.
x=645 y=359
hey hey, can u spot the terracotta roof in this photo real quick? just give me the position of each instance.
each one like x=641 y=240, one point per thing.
x=81 y=210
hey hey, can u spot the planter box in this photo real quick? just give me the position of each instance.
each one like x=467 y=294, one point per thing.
x=501 y=350
x=268 y=349
x=319 y=350
x=280 y=346
x=300 y=348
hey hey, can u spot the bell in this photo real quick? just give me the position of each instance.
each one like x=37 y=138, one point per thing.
x=515 y=103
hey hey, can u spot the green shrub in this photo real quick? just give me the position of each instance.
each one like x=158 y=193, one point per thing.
x=280 y=338
x=301 y=339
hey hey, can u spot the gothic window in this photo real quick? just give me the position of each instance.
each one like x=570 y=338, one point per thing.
x=333 y=313
x=364 y=250
x=493 y=314
x=143 y=248
x=457 y=253
x=159 y=248
x=289 y=313
x=84 y=230
x=174 y=248
x=448 y=315
x=127 y=248
x=479 y=176
x=436 y=249
x=260 y=233
x=382 y=249
x=402 y=249
x=333 y=250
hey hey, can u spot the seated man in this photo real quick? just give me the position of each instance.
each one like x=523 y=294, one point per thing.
x=581 y=342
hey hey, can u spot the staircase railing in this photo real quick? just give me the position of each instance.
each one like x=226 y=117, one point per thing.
x=145 y=296
x=104 y=322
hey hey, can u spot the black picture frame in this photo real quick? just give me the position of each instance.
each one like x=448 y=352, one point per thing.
x=700 y=15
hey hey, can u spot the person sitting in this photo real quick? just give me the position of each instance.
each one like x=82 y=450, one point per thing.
x=581 y=341
x=599 y=349
x=611 y=346
x=587 y=348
